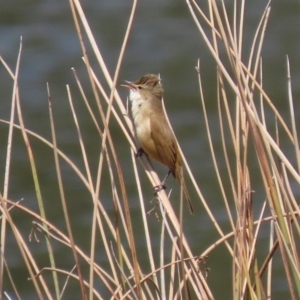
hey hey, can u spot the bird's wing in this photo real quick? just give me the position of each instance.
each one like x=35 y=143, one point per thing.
x=164 y=142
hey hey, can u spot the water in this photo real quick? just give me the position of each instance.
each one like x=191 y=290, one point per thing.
x=164 y=40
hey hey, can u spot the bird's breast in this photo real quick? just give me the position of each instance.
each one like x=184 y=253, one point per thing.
x=140 y=113
x=141 y=118
x=142 y=121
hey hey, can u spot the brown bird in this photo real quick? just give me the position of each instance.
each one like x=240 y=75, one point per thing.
x=152 y=128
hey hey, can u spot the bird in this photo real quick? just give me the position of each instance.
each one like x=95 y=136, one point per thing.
x=152 y=129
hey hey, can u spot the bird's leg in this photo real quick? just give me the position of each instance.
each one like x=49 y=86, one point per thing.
x=162 y=185
x=140 y=152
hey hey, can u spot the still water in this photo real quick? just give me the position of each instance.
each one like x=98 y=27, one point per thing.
x=164 y=40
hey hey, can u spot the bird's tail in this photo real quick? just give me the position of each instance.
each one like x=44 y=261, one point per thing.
x=187 y=196
x=180 y=178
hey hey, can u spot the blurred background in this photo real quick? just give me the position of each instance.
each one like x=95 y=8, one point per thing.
x=163 y=40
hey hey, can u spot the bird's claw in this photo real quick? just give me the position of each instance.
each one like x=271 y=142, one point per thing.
x=159 y=188
x=139 y=152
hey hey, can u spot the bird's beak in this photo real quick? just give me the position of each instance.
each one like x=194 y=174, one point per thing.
x=129 y=85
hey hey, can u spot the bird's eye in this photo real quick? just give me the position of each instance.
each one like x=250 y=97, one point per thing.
x=139 y=87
